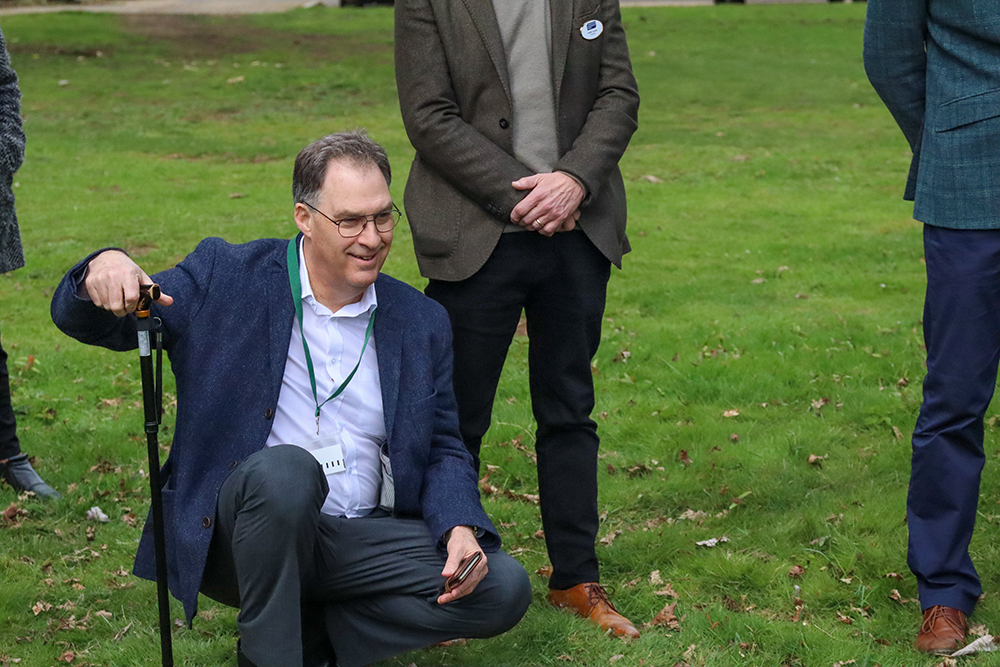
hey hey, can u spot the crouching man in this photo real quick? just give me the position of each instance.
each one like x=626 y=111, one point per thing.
x=317 y=479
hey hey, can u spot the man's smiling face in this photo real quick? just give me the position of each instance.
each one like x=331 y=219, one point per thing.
x=340 y=269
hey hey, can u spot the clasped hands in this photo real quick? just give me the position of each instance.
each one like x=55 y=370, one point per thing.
x=553 y=205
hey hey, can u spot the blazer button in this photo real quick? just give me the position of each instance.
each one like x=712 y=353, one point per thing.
x=206 y=522
x=268 y=413
x=504 y=124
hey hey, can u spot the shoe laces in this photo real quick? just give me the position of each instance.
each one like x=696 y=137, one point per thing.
x=936 y=612
x=597 y=594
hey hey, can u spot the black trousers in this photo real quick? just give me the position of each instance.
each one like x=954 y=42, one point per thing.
x=561 y=285
x=9 y=445
x=367 y=586
x=962 y=334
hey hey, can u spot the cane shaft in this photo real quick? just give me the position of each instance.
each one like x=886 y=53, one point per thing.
x=151 y=411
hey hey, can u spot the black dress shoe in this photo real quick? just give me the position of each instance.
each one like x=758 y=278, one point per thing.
x=19 y=474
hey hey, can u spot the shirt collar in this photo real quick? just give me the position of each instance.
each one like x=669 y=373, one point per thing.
x=367 y=303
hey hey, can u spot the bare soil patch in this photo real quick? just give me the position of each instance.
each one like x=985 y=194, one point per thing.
x=200 y=37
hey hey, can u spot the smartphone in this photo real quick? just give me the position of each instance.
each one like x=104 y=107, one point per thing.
x=465 y=568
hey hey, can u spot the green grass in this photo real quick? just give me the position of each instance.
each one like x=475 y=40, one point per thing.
x=775 y=272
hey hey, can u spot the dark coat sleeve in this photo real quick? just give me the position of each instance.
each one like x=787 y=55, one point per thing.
x=613 y=117
x=11 y=132
x=896 y=64
x=450 y=491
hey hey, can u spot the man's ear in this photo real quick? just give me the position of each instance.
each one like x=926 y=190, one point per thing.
x=303 y=219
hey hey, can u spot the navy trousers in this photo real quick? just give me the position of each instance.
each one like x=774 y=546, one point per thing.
x=561 y=285
x=962 y=334
x=305 y=581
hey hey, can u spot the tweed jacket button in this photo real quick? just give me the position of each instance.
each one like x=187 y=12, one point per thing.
x=504 y=124
x=206 y=522
x=268 y=413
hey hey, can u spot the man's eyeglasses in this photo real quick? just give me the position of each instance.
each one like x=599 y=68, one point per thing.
x=351 y=227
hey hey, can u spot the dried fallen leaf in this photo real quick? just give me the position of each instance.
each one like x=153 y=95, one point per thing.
x=95 y=513
x=731 y=413
x=844 y=619
x=67 y=657
x=978 y=630
x=685 y=459
x=893 y=575
x=691 y=515
x=734 y=437
x=655 y=579
x=896 y=597
x=640 y=470
x=666 y=618
x=667 y=591
x=610 y=537
x=796 y=572
x=818 y=403
x=40 y=606
x=121 y=633
x=651 y=178
x=709 y=543
x=817 y=461
x=984 y=644
x=12 y=514
x=544 y=571
x=616 y=658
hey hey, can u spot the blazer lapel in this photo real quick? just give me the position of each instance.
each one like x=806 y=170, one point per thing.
x=280 y=312
x=485 y=18
x=561 y=16
x=389 y=350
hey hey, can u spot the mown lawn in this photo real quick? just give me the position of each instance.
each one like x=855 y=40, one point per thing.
x=758 y=378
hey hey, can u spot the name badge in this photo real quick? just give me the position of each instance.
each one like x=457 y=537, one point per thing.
x=592 y=29
x=328 y=450
x=331 y=458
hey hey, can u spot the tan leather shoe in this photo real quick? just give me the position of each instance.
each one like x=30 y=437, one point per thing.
x=590 y=600
x=942 y=631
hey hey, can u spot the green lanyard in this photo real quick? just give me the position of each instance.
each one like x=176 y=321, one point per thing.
x=296 y=285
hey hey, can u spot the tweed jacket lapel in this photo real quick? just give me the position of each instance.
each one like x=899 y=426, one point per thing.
x=280 y=312
x=485 y=18
x=389 y=349
x=561 y=16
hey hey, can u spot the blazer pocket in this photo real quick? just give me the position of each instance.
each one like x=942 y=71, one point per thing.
x=966 y=111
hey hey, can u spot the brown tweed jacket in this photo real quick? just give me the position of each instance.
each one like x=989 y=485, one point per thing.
x=11 y=156
x=454 y=94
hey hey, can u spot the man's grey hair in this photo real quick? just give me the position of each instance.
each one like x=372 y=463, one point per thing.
x=312 y=161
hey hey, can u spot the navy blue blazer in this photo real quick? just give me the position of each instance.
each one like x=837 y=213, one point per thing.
x=936 y=65
x=229 y=360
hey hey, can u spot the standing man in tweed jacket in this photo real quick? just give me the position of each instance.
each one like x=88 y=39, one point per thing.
x=936 y=65
x=14 y=465
x=519 y=111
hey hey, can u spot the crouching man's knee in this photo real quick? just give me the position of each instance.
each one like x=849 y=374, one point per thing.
x=507 y=596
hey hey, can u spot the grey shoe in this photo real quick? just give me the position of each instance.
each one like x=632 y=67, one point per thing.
x=20 y=475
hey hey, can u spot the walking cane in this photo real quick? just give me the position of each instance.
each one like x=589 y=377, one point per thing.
x=152 y=400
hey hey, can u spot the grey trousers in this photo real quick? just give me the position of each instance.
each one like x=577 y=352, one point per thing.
x=374 y=580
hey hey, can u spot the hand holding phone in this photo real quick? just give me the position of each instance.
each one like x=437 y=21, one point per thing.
x=465 y=568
